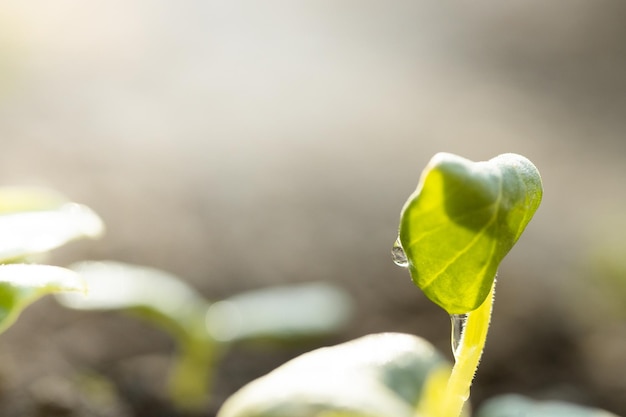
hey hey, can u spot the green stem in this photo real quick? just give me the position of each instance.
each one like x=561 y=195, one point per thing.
x=467 y=357
x=192 y=372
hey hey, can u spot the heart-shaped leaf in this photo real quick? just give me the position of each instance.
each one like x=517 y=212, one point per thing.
x=462 y=220
x=22 y=284
x=379 y=375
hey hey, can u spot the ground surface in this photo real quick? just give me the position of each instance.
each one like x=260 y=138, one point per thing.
x=241 y=146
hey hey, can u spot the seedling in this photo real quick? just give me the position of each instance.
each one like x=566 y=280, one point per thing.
x=455 y=229
x=204 y=330
x=32 y=222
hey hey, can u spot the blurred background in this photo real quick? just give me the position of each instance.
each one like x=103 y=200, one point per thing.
x=243 y=144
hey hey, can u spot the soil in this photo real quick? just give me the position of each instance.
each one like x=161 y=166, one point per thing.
x=242 y=146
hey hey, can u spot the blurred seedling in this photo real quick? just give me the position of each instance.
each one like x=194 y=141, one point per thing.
x=34 y=221
x=204 y=330
x=455 y=229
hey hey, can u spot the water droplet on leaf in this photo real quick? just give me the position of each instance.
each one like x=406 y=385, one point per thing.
x=398 y=255
x=458 y=328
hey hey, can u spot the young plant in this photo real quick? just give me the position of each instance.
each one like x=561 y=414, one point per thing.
x=204 y=330
x=454 y=230
x=32 y=222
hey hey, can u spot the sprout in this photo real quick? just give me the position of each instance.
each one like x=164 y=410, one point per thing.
x=204 y=330
x=34 y=221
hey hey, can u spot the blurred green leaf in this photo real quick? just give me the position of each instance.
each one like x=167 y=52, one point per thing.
x=284 y=312
x=117 y=285
x=379 y=375
x=22 y=284
x=31 y=232
x=33 y=221
x=462 y=220
x=164 y=300
x=512 y=405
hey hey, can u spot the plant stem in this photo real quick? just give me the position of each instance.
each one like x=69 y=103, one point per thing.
x=192 y=372
x=468 y=356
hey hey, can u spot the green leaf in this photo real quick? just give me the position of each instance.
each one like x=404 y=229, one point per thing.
x=512 y=405
x=117 y=285
x=462 y=220
x=378 y=375
x=165 y=301
x=30 y=232
x=283 y=312
x=22 y=284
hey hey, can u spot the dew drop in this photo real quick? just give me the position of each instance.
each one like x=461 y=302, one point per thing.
x=398 y=255
x=458 y=328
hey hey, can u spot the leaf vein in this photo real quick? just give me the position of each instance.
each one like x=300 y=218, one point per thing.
x=473 y=241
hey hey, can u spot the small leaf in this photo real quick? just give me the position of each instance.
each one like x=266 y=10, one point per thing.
x=462 y=220
x=285 y=312
x=165 y=301
x=378 y=375
x=512 y=405
x=22 y=284
x=30 y=232
x=117 y=285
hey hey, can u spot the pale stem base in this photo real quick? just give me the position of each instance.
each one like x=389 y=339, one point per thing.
x=468 y=355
